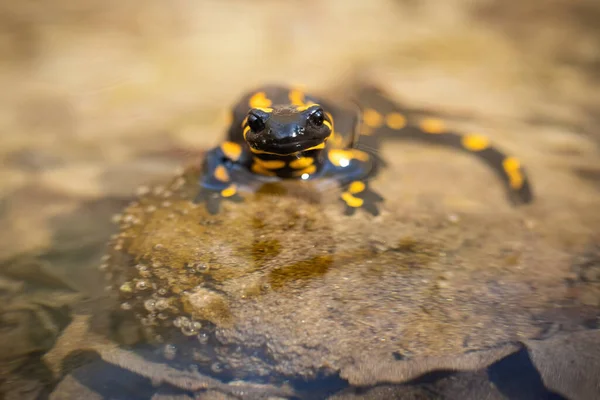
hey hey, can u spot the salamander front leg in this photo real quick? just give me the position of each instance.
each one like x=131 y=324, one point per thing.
x=218 y=180
x=357 y=194
x=353 y=169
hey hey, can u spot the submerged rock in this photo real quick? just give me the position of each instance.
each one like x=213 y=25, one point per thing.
x=283 y=285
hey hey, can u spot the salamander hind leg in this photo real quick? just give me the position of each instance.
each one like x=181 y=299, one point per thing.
x=218 y=180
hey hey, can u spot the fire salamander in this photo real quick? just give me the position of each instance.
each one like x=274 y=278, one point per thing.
x=284 y=133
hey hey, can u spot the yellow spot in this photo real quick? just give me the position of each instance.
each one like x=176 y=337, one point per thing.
x=356 y=187
x=269 y=164
x=296 y=97
x=512 y=166
x=232 y=150
x=360 y=155
x=372 y=118
x=230 y=191
x=259 y=100
x=246 y=130
x=328 y=124
x=475 y=142
x=311 y=169
x=352 y=201
x=221 y=173
x=337 y=157
x=395 y=120
x=366 y=130
x=317 y=147
x=432 y=125
x=301 y=162
x=257 y=169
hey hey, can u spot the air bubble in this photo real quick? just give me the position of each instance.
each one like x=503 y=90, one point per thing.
x=180 y=322
x=125 y=306
x=142 y=285
x=216 y=368
x=162 y=304
x=150 y=305
x=170 y=351
x=126 y=287
x=203 y=338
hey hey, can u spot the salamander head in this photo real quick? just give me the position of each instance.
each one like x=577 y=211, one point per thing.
x=286 y=129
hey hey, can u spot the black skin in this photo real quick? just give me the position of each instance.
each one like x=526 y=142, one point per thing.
x=281 y=133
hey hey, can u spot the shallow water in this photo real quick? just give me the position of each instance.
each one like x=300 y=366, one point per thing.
x=451 y=289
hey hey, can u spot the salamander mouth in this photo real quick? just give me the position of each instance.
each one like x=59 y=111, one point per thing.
x=287 y=148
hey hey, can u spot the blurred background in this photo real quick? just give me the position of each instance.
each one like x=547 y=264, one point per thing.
x=87 y=87
x=98 y=97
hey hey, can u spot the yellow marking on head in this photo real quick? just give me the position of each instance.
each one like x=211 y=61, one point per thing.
x=395 y=120
x=246 y=130
x=328 y=124
x=328 y=114
x=372 y=118
x=269 y=164
x=311 y=169
x=221 y=174
x=432 y=125
x=356 y=187
x=351 y=200
x=317 y=147
x=512 y=166
x=257 y=169
x=304 y=107
x=302 y=162
x=230 y=191
x=232 y=150
x=264 y=109
x=296 y=97
x=257 y=151
x=475 y=142
x=259 y=100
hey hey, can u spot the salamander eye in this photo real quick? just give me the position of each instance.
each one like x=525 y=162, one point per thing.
x=255 y=123
x=317 y=117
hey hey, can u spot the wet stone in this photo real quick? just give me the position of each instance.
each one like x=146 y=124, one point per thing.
x=284 y=285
